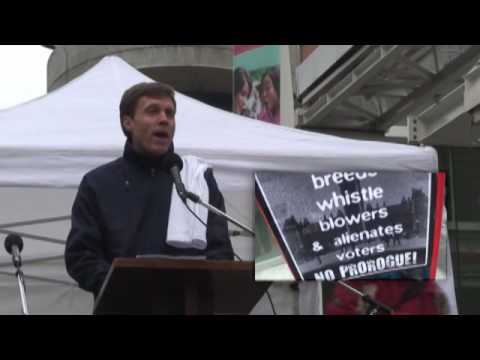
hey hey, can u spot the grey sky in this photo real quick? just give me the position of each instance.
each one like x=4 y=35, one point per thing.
x=23 y=73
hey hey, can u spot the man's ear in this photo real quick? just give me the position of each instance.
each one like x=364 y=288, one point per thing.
x=127 y=122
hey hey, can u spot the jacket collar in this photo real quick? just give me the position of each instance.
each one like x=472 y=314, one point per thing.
x=144 y=161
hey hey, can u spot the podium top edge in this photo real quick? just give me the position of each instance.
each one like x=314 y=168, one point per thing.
x=153 y=263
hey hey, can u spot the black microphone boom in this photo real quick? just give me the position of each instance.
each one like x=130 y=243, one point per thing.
x=174 y=163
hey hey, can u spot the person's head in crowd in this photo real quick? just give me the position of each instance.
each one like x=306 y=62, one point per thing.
x=242 y=90
x=147 y=117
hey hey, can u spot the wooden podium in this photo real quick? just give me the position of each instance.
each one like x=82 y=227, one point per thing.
x=142 y=286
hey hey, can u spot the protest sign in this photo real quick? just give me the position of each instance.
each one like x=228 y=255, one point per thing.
x=351 y=224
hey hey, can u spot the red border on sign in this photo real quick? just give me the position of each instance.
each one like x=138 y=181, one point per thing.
x=438 y=223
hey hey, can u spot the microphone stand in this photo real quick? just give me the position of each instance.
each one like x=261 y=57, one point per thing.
x=374 y=307
x=196 y=199
x=14 y=245
x=17 y=262
x=21 y=285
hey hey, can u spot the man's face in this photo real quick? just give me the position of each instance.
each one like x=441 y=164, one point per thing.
x=152 y=126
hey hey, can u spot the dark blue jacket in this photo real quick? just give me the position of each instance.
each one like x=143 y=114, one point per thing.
x=121 y=210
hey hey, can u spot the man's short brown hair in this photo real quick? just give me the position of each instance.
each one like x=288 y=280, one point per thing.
x=131 y=96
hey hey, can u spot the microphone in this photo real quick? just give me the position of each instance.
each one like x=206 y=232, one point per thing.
x=174 y=163
x=14 y=246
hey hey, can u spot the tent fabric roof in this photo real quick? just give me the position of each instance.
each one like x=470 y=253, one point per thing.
x=53 y=140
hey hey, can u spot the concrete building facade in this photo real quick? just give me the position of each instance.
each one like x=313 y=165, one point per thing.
x=199 y=71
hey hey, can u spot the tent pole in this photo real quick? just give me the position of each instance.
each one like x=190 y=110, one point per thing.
x=34 y=237
x=38 y=278
x=34 y=222
x=35 y=260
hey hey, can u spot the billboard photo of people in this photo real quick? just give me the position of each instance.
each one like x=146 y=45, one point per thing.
x=256 y=89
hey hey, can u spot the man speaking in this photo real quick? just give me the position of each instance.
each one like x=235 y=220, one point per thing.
x=129 y=206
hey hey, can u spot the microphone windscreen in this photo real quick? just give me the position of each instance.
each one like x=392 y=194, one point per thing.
x=13 y=239
x=171 y=160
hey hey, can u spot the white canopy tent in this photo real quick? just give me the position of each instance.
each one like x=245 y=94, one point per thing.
x=48 y=144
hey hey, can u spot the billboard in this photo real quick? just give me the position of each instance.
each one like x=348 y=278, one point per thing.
x=256 y=82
